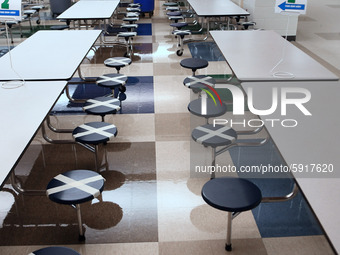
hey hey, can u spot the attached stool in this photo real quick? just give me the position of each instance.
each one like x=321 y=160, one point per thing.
x=131 y=20
x=215 y=136
x=102 y=106
x=180 y=36
x=37 y=8
x=199 y=82
x=117 y=62
x=9 y=25
x=172 y=8
x=54 y=251
x=30 y=13
x=128 y=36
x=61 y=27
x=91 y=134
x=194 y=64
x=234 y=195
x=73 y=188
x=196 y=107
x=134 y=5
x=170 y=4
x=113 y=81
x=129 y=27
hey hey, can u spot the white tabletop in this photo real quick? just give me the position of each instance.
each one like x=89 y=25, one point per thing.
x=48 y=55
x=253 y=54
x=90 y=10
x=315 y=140
x=22 y=110
x=217 y=8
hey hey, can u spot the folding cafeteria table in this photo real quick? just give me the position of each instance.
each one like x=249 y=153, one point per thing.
x=90 y=10
x=22 y=112
x=313 y=145
x=216 y=8
x=253 y=54
x=48 y=55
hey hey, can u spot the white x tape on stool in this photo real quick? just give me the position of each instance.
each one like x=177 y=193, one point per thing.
x=215 y=136
x=108 y=103
x=121 y=61
x=209 y=133
x=75 y=187
x=111 y=80
x=79 y=184
x=98 y=131
x=199 y=80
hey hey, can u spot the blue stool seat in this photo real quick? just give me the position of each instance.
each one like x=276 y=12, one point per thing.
x=178 y=25
x=118 y=62
x=94 y=132
x=194 y=64
x=231 y=194
x=73 y=188
x=174 y=13
x=131 y=19
x=180 y=35
x=102 y=106
x=234 y=195
x=170 y=4
x=212 y=109
x=91 y=134
x=111 y=80
x=55 y=251
x=214 y=135
x=199 y=82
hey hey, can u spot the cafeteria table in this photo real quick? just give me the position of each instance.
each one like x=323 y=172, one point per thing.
x=259 y=55
x=216 y=9
x=311 y=148
x=48 y=55
x=90 y=10
x=22 y=112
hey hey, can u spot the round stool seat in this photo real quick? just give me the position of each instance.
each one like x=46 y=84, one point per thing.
x=133 y=9
x=132 y=14
x=75 y=187
x=111 y=80
x=129 y=26
x=37 y=7
x=199 y=82
x=172 y=8
x=134 y=5
x=102 y=106
x=212 y=109
x=214 y=135
x=170 y=4
x=94 y=132
x=175 y=18
x=29 y=12
x=117 y=62
x=130 y=19
x=194 y=63
x=59 y=27
x=55 y=251
x=179 y=25
x=181 y=32
x=231 y=194
x=127 y=34
x=10 y=22
x=174 y=13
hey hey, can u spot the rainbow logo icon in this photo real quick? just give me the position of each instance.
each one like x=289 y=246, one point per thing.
x=211 y=95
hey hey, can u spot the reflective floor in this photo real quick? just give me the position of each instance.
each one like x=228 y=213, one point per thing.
x=151 y=203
